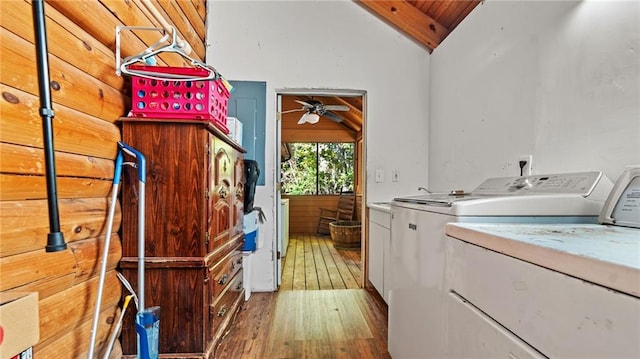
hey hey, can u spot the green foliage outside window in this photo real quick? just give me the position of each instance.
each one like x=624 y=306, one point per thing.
x=318 y=168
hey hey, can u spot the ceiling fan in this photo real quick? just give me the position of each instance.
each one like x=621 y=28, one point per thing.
x=314 y=109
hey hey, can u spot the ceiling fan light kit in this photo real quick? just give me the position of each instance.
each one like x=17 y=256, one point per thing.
x=314 y=109
x=311 y=118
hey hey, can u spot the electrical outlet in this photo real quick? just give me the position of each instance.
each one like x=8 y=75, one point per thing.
x=379 y=176
x=395 y=175
x=526 y=169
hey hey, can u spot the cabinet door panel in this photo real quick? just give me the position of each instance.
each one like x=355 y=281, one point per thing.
x=222 y=193
x=238 y=198
x=376 y=257
x=211 y=199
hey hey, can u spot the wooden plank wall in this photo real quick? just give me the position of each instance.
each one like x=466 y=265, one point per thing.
x=323 y=131
x=88 y=98
x=304 y=211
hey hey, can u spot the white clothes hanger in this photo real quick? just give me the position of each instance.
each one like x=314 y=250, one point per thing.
x=161 y=46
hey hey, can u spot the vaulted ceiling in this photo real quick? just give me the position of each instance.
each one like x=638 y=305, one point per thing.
x=427 y=22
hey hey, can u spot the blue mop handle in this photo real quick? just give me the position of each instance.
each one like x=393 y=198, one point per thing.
x=118 y=168
x=141 y=163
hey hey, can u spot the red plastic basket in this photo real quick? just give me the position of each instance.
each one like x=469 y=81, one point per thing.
x=193 y=100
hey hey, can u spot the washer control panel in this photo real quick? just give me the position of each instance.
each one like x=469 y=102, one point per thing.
x=581 y=183
x=622 y=208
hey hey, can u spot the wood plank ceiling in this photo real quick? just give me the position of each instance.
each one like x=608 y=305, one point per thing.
x=351 y=119
x=427 y=22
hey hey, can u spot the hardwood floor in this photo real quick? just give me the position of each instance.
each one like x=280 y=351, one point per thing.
x=309 y=324
x=319 y=312
x=312 y=263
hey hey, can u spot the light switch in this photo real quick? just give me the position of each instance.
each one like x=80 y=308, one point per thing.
x=379 y=176
x=395 y=175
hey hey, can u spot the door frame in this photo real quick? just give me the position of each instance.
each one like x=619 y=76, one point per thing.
x=363 y=171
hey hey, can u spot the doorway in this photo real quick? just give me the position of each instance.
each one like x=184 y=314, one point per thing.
x=311 y=261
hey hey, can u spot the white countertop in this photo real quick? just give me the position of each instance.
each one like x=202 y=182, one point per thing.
x=380 y=206
x=606 y=255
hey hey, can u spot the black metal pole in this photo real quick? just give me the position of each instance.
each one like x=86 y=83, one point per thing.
x=55 y=238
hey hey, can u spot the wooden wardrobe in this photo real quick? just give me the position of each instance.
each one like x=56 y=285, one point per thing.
x=193 y=239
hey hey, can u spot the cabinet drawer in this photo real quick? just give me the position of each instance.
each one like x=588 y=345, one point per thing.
x=380 y=217
x=560 y=316
x=223 y=307
x=224 y=271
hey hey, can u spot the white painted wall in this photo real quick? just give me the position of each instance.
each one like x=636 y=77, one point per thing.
x=328 y=44
x=558 y=80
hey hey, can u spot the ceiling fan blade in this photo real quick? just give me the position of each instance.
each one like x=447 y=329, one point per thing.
x=303 y=103
x=296 y=110
x=336 y=108
x=332 y=116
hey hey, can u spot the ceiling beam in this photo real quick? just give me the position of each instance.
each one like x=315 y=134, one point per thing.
x=350 y=124
x=352 y=108
x=409 y=20
x=353 y=117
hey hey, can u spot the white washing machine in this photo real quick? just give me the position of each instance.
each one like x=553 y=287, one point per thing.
x=417 y=324
x=548 y=290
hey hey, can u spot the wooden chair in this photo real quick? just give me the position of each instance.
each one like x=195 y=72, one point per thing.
x=344 y=212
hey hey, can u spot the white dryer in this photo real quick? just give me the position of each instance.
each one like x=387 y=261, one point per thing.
x=417 y=323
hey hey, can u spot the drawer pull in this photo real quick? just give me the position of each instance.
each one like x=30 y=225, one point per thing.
x=223 y=279
x=237 y=264
x=222 y=311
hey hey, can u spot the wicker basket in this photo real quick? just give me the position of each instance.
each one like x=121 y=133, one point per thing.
x=345 y=234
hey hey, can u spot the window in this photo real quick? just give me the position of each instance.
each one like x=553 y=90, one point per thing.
x=318 y=168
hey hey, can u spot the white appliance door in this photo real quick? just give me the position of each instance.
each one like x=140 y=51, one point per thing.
x=417 y=310
x=473 y=334
x=559 y=315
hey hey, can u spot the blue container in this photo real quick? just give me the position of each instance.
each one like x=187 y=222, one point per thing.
x=250 y=222
x=250 y=240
